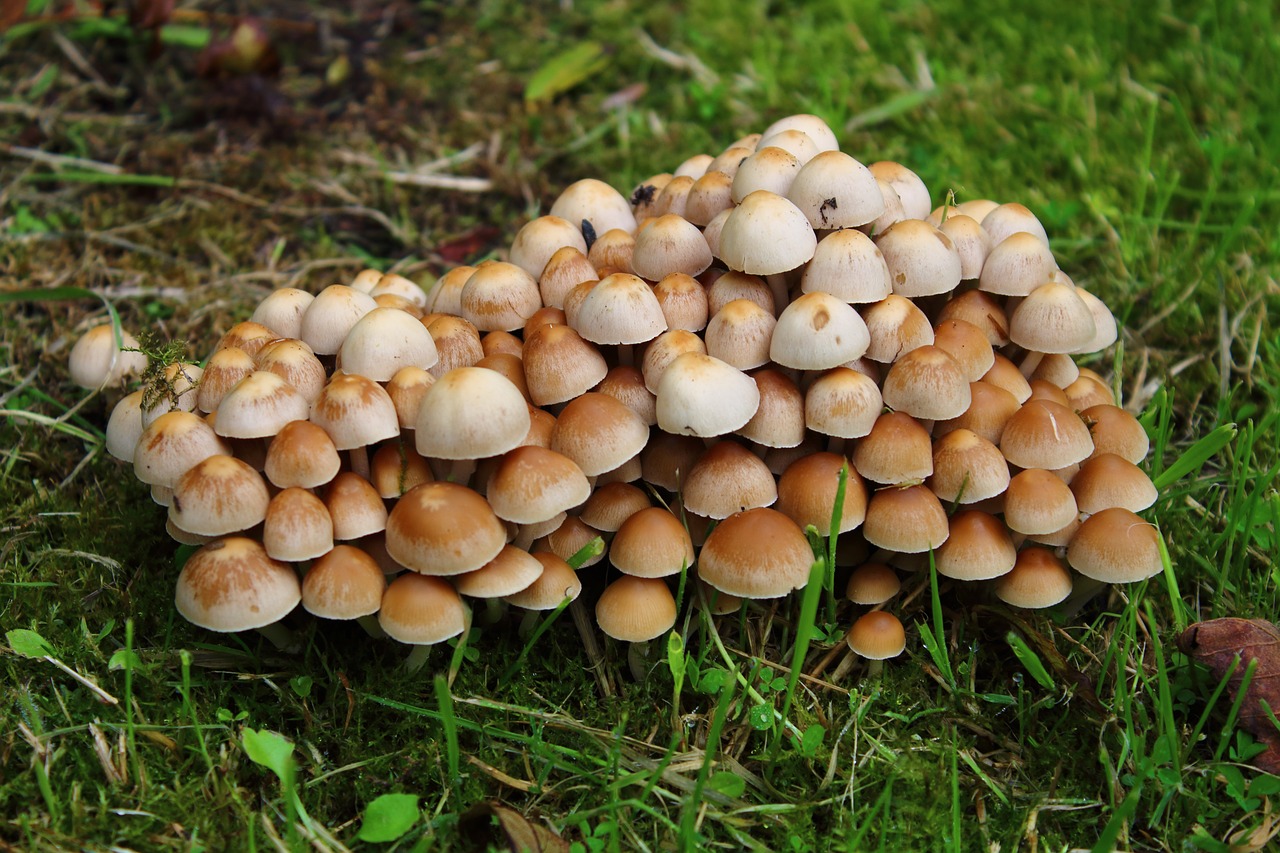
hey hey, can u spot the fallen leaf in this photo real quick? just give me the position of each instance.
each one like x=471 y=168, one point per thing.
x=491 y=825
x=11 y=12
x=150 y=14
x=1216 y=644
x=460 y=248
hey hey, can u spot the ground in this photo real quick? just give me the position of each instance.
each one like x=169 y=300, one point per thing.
x=151 y=170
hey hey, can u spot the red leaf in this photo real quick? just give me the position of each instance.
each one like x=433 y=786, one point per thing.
x=1216 y=644
x=460 y=248
x=151 y=14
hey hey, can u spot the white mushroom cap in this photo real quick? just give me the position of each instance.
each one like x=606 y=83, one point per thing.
x=385 y=340
x=834 y=190
x=701 y=395
x=766 y=234
x=598 y=203
x=471 y=413
x=818 y=331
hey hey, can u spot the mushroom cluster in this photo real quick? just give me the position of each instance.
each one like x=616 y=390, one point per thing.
x=684 y=375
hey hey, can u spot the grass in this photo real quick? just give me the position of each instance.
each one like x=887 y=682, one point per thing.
x=1145 y=141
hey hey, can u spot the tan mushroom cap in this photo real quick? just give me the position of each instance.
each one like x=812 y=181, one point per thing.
x=457 y=343
x=683 y=301
x=556 y=583
x=443 y=529
x=740 y=334
x=281 y=311
x=1108 y=480
x=636 y=609
x=598 y=433
x=596 y=202
x=816 y=332
x=565 y=270
x=225 y=369
x=510 y=572
x=612 y=504
x=982 y=310
x=834 y=190
x=331 y=315
x=539 y=239
x=1038 y=503
x=620 y=309
x=972 y=243
x=533 y=484
x=818 y=131
x=301 y=454
x=396 y=468
x=927 y=383
x=667 y=458
x=612 y=251
x=967 y=468
x=1038 y=580
x=1043 y=434
x=728 y=478
x=922 y=260
x=766 y=234
x=896 y=450
x=807 y=493
x=872 y=584
x=842 y=403
x=779 y=421
x=978 y=547
x=669 y=244
x=877 y=635
x=559 y=365
x=990 y=408
x=626 y=385
x=385 y=340
x=1089 y=390
x=759 y=553
x=125 y=426
x=258 y=406
x=219 y=495
x=849 y=266
x=1005 y=374
x=739 y=285
x=355 y=506
x=571 y=537
x=1016 y=266
x=967 y=344
x=1052 y=319
x=907 y=184
x=711 y=194
x=421 y=610
x=500 y=295
x=671 y=344
x=895 y=326
x=909 y=520
x=769 y=169
x=173 y=443
x=471 y=413
x=703 y=396
x=95 y=360
x=232 y=585
x=294 y=362
x=651 y=543
x=345 y=583
x=1006 y=220
x=298 y=526
x=1116 y=546
x=355 y=411
x=1116 y=431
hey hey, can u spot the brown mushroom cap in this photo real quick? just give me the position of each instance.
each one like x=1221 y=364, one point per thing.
x=259 y=406
x=443 y=529
x=978 y=547
x=759 y=553
x=1116 y=546
x=927 y=383
x=728 y=478
x=355 y=411
x=355 y=506
x=1108 y=480
x=421 y=610
x=556 y=583
x=807 y=493
x=842 y=403
x=1044 y=434
x=636 y=609
x=651 y=543
x=471 y=413
x=232 y=585
x=909 y=520
x=1039 y=579
x=779 y=421
x=173 y=443
x=533 y=484
x=345 y=583
x=967 y=468
x=301 y=454
x=598 y=433
x=510 y=572
x=1038 y=503
x=896 y=450
x=872 y=584
x=877 y=635
x=297 y=527
x=219 y=495
x=559 y=365
x=1116 y=431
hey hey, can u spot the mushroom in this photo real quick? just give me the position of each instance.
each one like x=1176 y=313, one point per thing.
x=232 y=585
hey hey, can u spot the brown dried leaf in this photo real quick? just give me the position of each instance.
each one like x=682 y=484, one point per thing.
x=490 y=825
x=11 y=12
x=1216 y=644
x=150 y=14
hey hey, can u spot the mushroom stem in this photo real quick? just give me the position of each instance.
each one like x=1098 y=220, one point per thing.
x=875 y=669
x=1030 y=363
x=417 y=658
x=595 y=656
x=460 y=471
x=281 y=637
x=528 y=624
x=835 y=444
x=626 y=355
x=494 y=610
x=360 y=461
x=638 y=660
x=371 y=626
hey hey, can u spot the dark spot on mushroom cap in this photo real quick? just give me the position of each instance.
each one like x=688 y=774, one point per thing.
x=820 y=320
x=644 y=194
x=900 y=278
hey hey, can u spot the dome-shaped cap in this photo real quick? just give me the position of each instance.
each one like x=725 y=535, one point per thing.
x=766 y=234
x=877 y=635
x=1116 y=546
x=421 y=610
x=443 y=529
x=833 y=190
x=636 y=609
x=701 y=395
x=219 y=495
x=355 y=411
x=728 y=478
x=807 y=493
x=471 y=413
x=345 y=583
x=759 y=553
x=651 y=543
x=816 y=332
x=259 y=406
x=232 y=585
